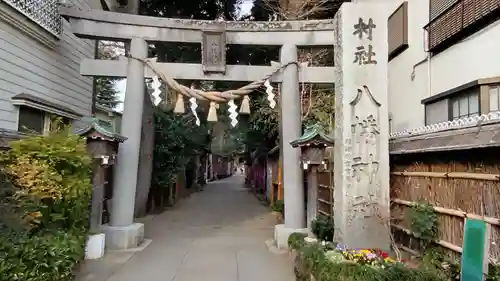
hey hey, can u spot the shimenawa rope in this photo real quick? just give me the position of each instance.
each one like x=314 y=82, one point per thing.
x=213 y=96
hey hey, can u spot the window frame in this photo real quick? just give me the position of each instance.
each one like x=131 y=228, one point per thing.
x=467 y=20
x=490 y=87
x=404 y=43
x=426 y=110
x=47 y=120
x=20 y=127
x=459 y=97
x=479 y=86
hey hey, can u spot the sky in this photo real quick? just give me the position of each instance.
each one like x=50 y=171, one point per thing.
x=120 y=85
x=245 y=7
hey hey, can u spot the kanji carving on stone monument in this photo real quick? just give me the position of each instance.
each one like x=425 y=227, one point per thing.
x=364 y=55
x=363 y=206
x=347 y=162
x=365 y=133
x=362 y=28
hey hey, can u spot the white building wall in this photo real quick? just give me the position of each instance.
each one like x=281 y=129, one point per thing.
x=411 y=79
x=28 y=65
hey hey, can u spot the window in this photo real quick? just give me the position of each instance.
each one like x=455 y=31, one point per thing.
x=436 y=112
x=494 y=93
x=474 y=98
x=397 y=30
x=466 y=105
x=453 y=20
x=33 y=120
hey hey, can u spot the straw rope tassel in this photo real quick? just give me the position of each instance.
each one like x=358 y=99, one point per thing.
x=212 y=112
x=179 y=104
x=245 y=105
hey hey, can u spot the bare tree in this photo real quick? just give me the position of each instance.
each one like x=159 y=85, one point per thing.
x=301 y=9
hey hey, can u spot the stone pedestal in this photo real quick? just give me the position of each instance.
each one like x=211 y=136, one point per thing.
x=94 y=247
x=124 y=237
x=281 y=234
x=122 y=231
x=361 y=126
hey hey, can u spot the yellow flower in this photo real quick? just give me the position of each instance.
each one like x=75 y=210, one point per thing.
x=35 y=214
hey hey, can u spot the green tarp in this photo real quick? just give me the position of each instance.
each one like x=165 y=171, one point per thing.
x=475 y=250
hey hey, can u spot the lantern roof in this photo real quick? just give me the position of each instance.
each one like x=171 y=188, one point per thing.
x=98 y=128
x=313 y=135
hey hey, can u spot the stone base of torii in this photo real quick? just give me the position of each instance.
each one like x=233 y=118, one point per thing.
x=361 y=164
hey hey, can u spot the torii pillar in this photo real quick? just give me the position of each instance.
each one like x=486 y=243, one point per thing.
x=291 y=129
x=122 y=232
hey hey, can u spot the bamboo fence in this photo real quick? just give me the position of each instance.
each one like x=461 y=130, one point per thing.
x=456 y=189
x=325 y=193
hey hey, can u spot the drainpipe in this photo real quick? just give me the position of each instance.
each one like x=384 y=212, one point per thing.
x=427 y=35
x=429 y=76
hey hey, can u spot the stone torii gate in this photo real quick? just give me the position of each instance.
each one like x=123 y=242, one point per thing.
x=361 y=98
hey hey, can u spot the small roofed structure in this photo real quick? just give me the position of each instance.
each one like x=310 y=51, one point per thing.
x=102 y=139
x=313 y=142
x=97 y=128
x=102 y=144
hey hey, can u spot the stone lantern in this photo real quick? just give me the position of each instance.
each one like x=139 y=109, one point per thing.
x=313 y=144
x=102 y=144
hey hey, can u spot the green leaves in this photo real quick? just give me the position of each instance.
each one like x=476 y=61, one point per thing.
x=44 y=205
x=50 y=175
x=296 y=240
x=44 y=256
x=314 y=261
x=279 y=206
x=176 y=139
x=322 y=228
x=423 y=223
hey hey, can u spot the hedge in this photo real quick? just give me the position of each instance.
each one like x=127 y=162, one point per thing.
x=44 y=256
x=317 y=261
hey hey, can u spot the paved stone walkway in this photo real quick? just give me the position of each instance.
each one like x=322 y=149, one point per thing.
x=218 y=234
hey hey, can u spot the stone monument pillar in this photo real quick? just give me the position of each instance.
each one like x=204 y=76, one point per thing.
x=361 y=126
x=122 y=232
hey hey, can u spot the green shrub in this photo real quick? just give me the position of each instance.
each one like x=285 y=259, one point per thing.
x=51 y=178
x=401 y=273
x=312 y=257
x=423 y=223
x=348 y=272
x=45 y=194
x=296 y=240
x=493 y=273
x=323 y=228
x=43 y=256
x=314 y=261
x=279 y=206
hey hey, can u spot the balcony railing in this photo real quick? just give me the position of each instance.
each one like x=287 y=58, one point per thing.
x=460 y=20
x=43 y=12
